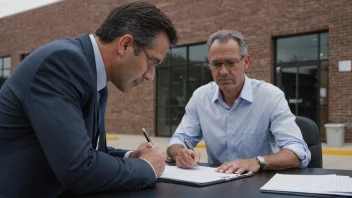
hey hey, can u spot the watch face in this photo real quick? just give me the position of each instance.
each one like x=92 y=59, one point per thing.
x=261 y=159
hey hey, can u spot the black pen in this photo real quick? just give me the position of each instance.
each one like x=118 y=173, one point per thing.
x=191 y=148
x=147 y=136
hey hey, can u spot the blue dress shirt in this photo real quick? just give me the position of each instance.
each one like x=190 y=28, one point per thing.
x=259 y=123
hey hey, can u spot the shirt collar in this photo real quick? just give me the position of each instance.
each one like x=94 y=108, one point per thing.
x=246 y=92
x=101 y=74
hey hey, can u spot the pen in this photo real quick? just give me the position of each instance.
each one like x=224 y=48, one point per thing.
x=147 y=136
x=191 y=148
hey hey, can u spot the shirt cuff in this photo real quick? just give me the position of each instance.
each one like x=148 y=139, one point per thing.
x=150 y=166
x=302 y=153
x=127 y=154
x=176 y=140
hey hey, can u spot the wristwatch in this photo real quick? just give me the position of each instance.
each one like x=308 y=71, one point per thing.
x=261 y=162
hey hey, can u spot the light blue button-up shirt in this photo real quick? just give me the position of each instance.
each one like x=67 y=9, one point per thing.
x=259 y=123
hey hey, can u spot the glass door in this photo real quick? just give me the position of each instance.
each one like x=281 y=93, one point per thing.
x=301 y=66
x=300 y=85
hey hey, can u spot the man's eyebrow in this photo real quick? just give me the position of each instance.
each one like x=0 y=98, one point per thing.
x=225 y=59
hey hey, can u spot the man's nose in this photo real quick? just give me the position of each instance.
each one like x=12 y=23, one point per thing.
x=149 y=75
x=223 y=70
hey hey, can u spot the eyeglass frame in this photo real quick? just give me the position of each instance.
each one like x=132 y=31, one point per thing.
x=151 y=62
x=235 y=64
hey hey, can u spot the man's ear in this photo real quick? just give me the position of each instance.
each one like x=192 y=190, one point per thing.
x=246 y=62
x=124 y=43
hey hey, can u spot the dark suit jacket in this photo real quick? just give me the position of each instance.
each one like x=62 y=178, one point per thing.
x=48 y=118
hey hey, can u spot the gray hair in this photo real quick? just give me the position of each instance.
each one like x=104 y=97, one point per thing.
x=225 y=35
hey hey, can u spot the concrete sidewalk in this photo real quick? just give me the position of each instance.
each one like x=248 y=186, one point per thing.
x=333 y=158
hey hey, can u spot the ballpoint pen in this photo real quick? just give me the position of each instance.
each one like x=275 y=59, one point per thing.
x=147 y=137
x=191 y=148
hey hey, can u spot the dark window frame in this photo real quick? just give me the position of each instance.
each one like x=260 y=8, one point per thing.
x=170 y=65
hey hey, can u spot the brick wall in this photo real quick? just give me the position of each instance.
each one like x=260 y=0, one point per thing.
x=258 y=20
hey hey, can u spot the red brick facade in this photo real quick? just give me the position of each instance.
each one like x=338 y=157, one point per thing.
x=258 y=20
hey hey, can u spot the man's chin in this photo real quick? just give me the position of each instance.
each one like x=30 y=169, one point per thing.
x=123 y=88
x=127 y=87
x=226 y=87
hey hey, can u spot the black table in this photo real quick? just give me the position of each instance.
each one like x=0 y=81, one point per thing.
x=246 y=187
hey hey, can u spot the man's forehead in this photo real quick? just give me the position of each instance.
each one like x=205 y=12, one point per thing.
x=228 y=49
x=224 y=42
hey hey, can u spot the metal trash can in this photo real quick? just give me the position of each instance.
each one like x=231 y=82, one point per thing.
x=335 y=134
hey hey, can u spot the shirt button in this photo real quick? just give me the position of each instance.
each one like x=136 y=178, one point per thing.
x=230 y=136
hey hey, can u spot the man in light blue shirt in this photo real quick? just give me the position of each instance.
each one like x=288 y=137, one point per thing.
x=246 y=123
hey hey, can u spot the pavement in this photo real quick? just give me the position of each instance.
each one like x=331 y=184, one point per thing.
x=333 y=157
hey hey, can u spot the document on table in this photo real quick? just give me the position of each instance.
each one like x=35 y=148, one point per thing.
x=201 y=176
x=309 y=184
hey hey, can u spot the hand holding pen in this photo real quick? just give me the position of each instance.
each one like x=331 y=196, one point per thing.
x=187 y=157
x=191 y=148
x=154 y=156
x=143 y=147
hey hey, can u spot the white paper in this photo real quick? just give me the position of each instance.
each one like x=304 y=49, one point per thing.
x=315 y=184
x=345 y=66
x=201 y=174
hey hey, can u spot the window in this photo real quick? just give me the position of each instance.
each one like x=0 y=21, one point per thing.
x=5 y=67
x=183 y=70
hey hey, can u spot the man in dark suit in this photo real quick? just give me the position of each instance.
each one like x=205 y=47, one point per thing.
x=52 y=136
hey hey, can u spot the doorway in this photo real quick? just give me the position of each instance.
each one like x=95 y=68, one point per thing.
x=301 y=68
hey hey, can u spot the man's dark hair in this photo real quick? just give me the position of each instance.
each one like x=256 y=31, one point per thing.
x=142 y=20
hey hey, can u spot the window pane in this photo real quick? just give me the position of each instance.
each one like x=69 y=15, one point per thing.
x=176 y=114
x=163 y=86
x=207 y=77
x=194 y=78
x=324 y=46
x=2 y=81
x=179 y=55
x=1 y=63
x=163 y=121
x=298 y=48
x=7 y=63
x=6 y=73
x=178 y=86
x=288 y=86
x=198 y=53
x=307 y=91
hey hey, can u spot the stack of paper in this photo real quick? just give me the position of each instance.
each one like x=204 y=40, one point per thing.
x=309 y=184
x=198 y=176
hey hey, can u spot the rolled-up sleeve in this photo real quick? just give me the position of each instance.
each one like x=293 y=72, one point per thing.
x=286 y=132
x=189 y=129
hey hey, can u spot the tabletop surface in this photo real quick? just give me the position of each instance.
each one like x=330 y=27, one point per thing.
x=246 y=187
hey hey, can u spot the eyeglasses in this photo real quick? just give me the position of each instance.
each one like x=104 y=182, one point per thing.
x=229 y=64
x=151 y=62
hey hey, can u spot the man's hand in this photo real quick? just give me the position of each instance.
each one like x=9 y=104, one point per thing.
x=156 y=158
x=141 y=149
x=239 y=166
x=187 y=158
